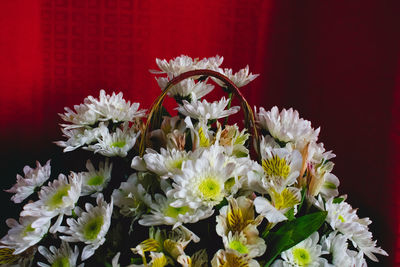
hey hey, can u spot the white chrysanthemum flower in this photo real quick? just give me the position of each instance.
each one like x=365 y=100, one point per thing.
x=64 y=256
x=231 y=257
x=57 y=198
x=131 y=197
x=115 y=108
x=305 y=253
x=91 y=227
x=240 y=78
x=34 y=178
x=281 y=166
x=287 y=126
x=342 y=217
x=95 y=181
x=336 y=245
x=204 y=111
x=183 y=63
x=81 y=117
x=240 y=243
x=162 y=213
x=78 y=137
x=186 y=89
x=24 y=234
x=166 y=163
x=117 y=143
x=202 y=181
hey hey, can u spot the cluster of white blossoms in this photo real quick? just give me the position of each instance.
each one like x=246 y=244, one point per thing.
x=196 y=182
x=108 y=125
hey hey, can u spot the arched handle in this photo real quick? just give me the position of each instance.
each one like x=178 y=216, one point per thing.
x=156 y=106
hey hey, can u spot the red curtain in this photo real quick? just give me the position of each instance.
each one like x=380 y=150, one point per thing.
x=337 y=62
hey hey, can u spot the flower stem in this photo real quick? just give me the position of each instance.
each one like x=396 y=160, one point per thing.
x=230 y=95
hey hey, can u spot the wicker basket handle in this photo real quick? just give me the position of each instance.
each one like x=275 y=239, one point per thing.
x=154 y=117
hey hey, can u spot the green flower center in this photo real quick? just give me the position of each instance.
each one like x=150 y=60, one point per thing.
x=341 y=218
x=119 y=144
x=209 y=189
x=238 y=246
x=61 y=262
x=27 y=230
x=276 y=166
x=176 y=164
x=96 y=180
x=93 y=227
x=56 y=200
x=301 y=256
x=174 y=212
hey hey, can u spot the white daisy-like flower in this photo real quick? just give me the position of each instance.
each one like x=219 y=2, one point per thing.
x=117 y=143
x=287 y=126
x=56 y=199
x=281 y=166
x=28 y=232
x=64 y=256
x=78 y=137
x=240 y=78
x=305 y=253
x=91 y=226
x=202 y=181
x=165 y=164
x=162 y=213
x=336 y=245
x=81 y=117
x=131 y=197
x=230 y=257
x=115 y=108
x=204 y=111
x=34 y=178
x=342 y=217
x=240 y=243
x=95 y=181
x=186 y=89
x=184 y=63
x=281 y=202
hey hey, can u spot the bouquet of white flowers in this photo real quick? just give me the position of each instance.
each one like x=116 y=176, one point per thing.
x=187 y=190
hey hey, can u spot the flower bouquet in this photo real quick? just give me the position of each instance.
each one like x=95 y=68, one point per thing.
x=190 y=189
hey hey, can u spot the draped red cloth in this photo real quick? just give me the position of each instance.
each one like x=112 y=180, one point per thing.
x=336 y=62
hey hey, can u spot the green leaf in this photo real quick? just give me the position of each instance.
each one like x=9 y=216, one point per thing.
x=338 y=200
x=290 y=214
x=291 y=233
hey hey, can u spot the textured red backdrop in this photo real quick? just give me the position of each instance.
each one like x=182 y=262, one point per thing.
x=337 y=62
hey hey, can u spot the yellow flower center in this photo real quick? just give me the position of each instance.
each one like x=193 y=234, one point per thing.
x=276 y=166
x=56 y=200
x=238 y=246
x=301 y=256
x=96 y=180
x=341 y=218
x=174 y=212
x=209 y=188
x=176 y=164
x=92 y=228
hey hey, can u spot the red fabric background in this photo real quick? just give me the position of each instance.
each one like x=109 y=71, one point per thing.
x=337 y=62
